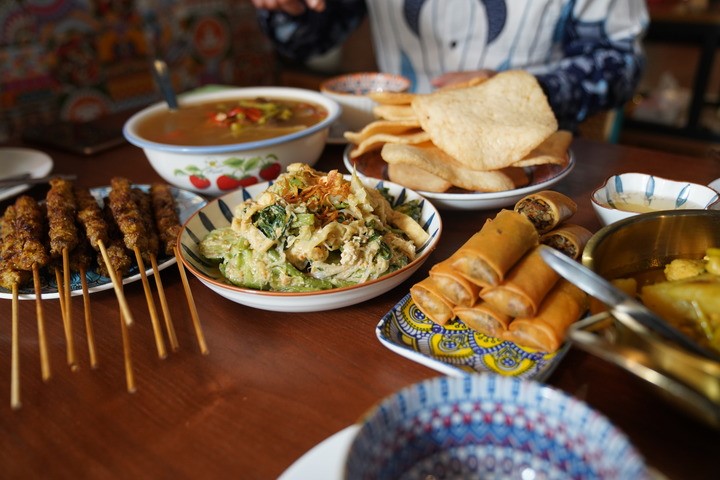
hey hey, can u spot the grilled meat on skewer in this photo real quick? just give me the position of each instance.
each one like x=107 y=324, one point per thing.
x=90 y=216
x=127 y=215
x=61 y=208
x=119 y=259
x=143 y=202
x=9 y=247
x=30 y=228
x=166 y=218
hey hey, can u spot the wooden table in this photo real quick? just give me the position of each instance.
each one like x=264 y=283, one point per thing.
x=276 y=384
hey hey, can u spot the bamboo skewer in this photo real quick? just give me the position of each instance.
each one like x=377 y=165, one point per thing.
x=159 y=342
x=172 y=337
x=42 y=338
x=191 y=304
x=61 y=297
x=67 y=291
x=127 y=354
x=117 y=285
x=89 y=331
x=15 y=354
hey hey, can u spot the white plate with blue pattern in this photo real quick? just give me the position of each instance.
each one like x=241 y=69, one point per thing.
x=628 y=194
x=186 y=203
x=219 y=213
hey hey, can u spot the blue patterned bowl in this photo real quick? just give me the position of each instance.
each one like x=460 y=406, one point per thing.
x=628 y=194
x=488 y=426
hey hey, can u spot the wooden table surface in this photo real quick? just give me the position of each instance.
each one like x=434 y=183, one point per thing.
x=275 y=384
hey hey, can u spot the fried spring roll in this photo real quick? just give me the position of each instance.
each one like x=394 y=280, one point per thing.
x=428 y=299
x=453 y=286
x=482 y=318
x=546 y=209
x=525 y=287
x=546 y=331
x=570 y=239
x=487 y=256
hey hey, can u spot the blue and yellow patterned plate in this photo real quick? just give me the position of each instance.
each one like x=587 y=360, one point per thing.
x=454 y=349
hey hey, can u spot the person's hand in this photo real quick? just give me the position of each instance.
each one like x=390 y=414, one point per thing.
x=461 y=78
x=291 y=7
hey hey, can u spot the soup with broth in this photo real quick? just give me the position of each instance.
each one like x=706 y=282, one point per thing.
x=224 y=122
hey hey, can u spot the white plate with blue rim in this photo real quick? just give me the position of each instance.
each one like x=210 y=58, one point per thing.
x=219 y=214
x=186 y=204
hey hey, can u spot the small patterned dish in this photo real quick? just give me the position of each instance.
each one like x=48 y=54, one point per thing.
x=454 y=349
x=488 y=426
x=219 y=213
x=351 y=91
x=628 y=194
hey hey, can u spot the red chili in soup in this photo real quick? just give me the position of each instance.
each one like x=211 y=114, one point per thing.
x=230 y=121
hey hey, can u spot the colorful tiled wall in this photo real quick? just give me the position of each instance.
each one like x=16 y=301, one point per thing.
x=81 y=59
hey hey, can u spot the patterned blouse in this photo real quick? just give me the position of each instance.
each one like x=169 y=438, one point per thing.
x=586 y=54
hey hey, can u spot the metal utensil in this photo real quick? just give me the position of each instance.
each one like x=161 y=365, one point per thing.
x=688 y=381
x=162 y=78
x=623 y=307
x=25 y=179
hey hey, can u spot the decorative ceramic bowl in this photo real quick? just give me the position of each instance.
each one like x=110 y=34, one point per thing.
x=351 y=90
x=219 y=213
x=628 y=194
x=217 y=169
x=488 y=426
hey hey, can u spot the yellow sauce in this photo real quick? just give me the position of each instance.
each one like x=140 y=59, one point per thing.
x=638 y=203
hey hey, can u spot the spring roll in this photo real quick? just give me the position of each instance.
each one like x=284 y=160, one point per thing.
x=487 y=256
x=546 y=331
x=482 y=318
x=457 y=289
x=546 y=209
x=525 y=287
x=428 y=299
x=569 y=238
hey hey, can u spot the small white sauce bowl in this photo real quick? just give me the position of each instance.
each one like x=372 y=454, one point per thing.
x=216 y=169
x=648 y=193
x=351 y=92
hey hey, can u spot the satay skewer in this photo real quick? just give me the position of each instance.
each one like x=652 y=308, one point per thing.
x=90 y=216
x=144 y=203
x=63 y=234
x=129 y=219
x=10 y=279
x=30 y=254
x=168 y=227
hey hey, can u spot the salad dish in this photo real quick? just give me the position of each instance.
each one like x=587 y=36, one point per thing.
x=309 y=240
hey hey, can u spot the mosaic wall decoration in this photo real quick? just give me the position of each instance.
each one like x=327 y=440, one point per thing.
x=82 y=59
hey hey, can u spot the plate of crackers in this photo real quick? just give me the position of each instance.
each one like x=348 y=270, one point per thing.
x=482 y=145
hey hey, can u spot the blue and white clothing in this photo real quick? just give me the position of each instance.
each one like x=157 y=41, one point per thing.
x=586 y=54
